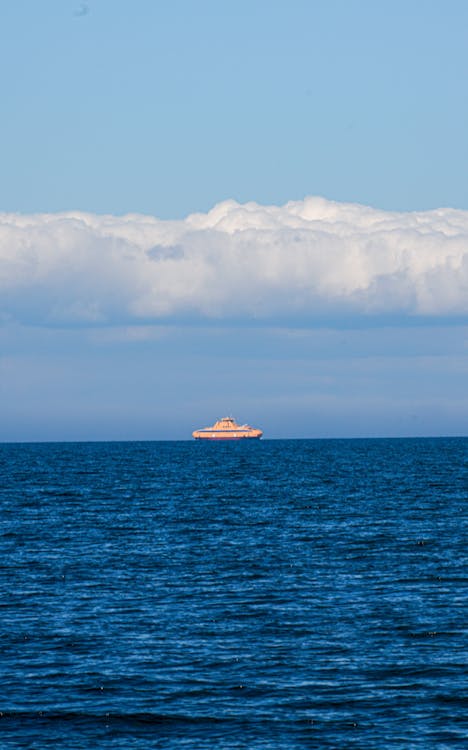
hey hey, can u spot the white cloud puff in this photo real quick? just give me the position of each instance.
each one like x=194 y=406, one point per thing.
x=307 y=260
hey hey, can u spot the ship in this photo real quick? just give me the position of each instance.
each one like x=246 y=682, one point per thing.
x=227 y=429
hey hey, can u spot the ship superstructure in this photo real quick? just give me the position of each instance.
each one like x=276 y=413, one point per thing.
x=227 y=429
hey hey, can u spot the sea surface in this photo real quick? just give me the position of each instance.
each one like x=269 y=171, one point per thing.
x=272 y=594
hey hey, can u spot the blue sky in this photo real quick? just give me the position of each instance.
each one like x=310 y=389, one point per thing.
x=311 y=318
x=170 y=107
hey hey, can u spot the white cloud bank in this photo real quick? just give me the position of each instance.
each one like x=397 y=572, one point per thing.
x=309 y=259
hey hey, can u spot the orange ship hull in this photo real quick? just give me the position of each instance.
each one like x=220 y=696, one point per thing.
x=227 y=429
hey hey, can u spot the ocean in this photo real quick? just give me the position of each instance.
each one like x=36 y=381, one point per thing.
x=256 y=594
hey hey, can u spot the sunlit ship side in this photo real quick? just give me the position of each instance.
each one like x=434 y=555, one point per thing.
x=227 y=429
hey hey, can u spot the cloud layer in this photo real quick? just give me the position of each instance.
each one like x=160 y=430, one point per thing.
x=307 y=260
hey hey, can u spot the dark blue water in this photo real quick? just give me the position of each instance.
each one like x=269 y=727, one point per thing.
x=280 y=594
